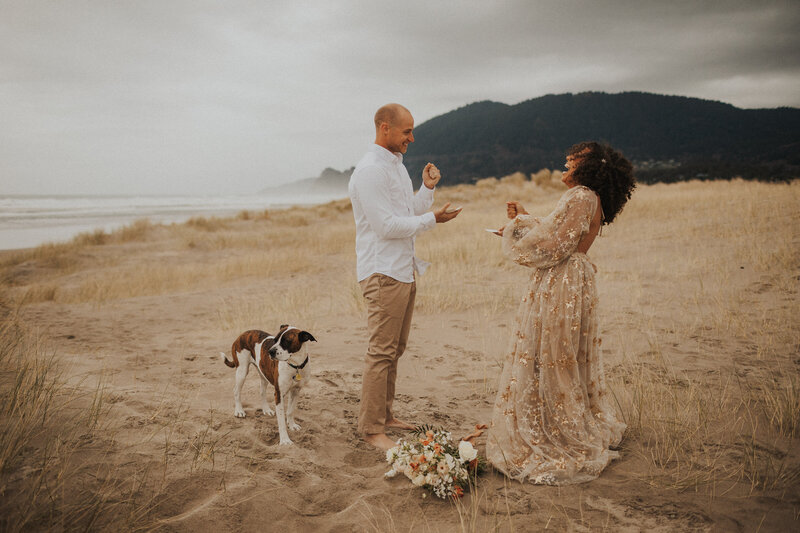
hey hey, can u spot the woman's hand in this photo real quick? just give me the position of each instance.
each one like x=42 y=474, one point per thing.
x=514 y=208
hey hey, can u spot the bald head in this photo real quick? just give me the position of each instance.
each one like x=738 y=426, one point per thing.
x=390 y=114
x=394 y=128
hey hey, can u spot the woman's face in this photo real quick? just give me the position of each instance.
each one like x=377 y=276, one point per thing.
x=572 y=163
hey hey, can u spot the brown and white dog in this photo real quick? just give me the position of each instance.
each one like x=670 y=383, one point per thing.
x=272 y=356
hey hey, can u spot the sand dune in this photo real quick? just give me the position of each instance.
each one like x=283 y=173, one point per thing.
x=699 y=313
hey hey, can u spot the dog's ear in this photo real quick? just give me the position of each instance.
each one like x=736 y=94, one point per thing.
x=306 y=336
x=283 y=326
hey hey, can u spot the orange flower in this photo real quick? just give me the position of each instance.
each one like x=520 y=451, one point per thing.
x=459 y=492
x=414 y=466
x=437 y=449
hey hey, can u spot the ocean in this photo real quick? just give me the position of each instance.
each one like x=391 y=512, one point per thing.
x=28 y=221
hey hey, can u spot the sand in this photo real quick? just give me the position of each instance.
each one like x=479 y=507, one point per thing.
x=169 y=455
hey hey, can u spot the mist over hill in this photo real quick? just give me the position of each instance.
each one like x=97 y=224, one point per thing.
x=330 y=182
x=668 y=138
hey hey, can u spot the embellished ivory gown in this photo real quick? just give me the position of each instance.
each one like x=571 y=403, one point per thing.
x=553 y=420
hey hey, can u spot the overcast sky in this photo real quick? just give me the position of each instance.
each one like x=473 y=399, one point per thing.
x=227 y=97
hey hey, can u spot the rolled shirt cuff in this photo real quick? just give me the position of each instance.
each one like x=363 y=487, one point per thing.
x=428 y=221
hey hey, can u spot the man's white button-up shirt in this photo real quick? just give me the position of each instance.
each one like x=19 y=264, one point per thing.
x=388 y=216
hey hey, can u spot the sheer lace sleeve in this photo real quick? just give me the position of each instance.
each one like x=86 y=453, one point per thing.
x=542 y=243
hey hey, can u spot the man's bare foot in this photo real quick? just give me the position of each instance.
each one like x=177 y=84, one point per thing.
x=399 y=424
x=379 y=440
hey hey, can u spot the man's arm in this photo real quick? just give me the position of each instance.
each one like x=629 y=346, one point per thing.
x=372 y=190
x=430 y=177
x=423 y=199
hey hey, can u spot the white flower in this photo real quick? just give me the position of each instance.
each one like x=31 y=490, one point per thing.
x=391 y=473
x=418 y=480
x=466 y=451
x=451 y=463
x=443 y=469
x=390 y=454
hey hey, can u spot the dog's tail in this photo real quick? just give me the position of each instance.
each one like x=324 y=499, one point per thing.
x=227 y=361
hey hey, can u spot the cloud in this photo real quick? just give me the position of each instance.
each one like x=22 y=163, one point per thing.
x=205 y=96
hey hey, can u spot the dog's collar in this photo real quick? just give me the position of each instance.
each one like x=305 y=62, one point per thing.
x=298 y=367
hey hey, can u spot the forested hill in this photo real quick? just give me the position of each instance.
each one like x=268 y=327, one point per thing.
x=668 y=138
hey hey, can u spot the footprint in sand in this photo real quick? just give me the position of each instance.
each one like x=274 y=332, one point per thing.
x=362 y=459
x=329 y=382
x=183 y=500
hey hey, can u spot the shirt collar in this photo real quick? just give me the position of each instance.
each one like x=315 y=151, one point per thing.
x=386 y=155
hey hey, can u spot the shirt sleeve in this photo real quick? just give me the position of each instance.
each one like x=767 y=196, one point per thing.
x=372 y=191
x=542 y=243
x=423 y=200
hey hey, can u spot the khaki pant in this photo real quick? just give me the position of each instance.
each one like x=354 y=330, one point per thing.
x=390 y=304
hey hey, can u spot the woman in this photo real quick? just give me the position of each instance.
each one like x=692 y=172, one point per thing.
x=553 y=422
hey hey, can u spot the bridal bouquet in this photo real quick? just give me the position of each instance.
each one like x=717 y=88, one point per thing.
x=431 y=462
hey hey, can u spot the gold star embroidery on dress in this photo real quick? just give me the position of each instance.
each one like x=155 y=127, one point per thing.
x=546 y=409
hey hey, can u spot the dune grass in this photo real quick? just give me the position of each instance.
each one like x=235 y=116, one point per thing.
x=45 y=427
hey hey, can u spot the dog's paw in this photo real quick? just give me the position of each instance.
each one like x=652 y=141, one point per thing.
x=239 y=413
x=267 y=411
x=285 y=442
x=294 y=426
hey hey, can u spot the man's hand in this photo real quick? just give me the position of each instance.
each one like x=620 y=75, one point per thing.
x=445 y=213
x=514 y=208
x=431 y=175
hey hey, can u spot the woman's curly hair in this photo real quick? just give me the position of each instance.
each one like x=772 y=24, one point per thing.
x=606 y=172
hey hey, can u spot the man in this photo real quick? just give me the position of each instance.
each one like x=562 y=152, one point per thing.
x=388 y=217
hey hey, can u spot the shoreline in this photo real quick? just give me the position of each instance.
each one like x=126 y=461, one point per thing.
x=68 y=226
